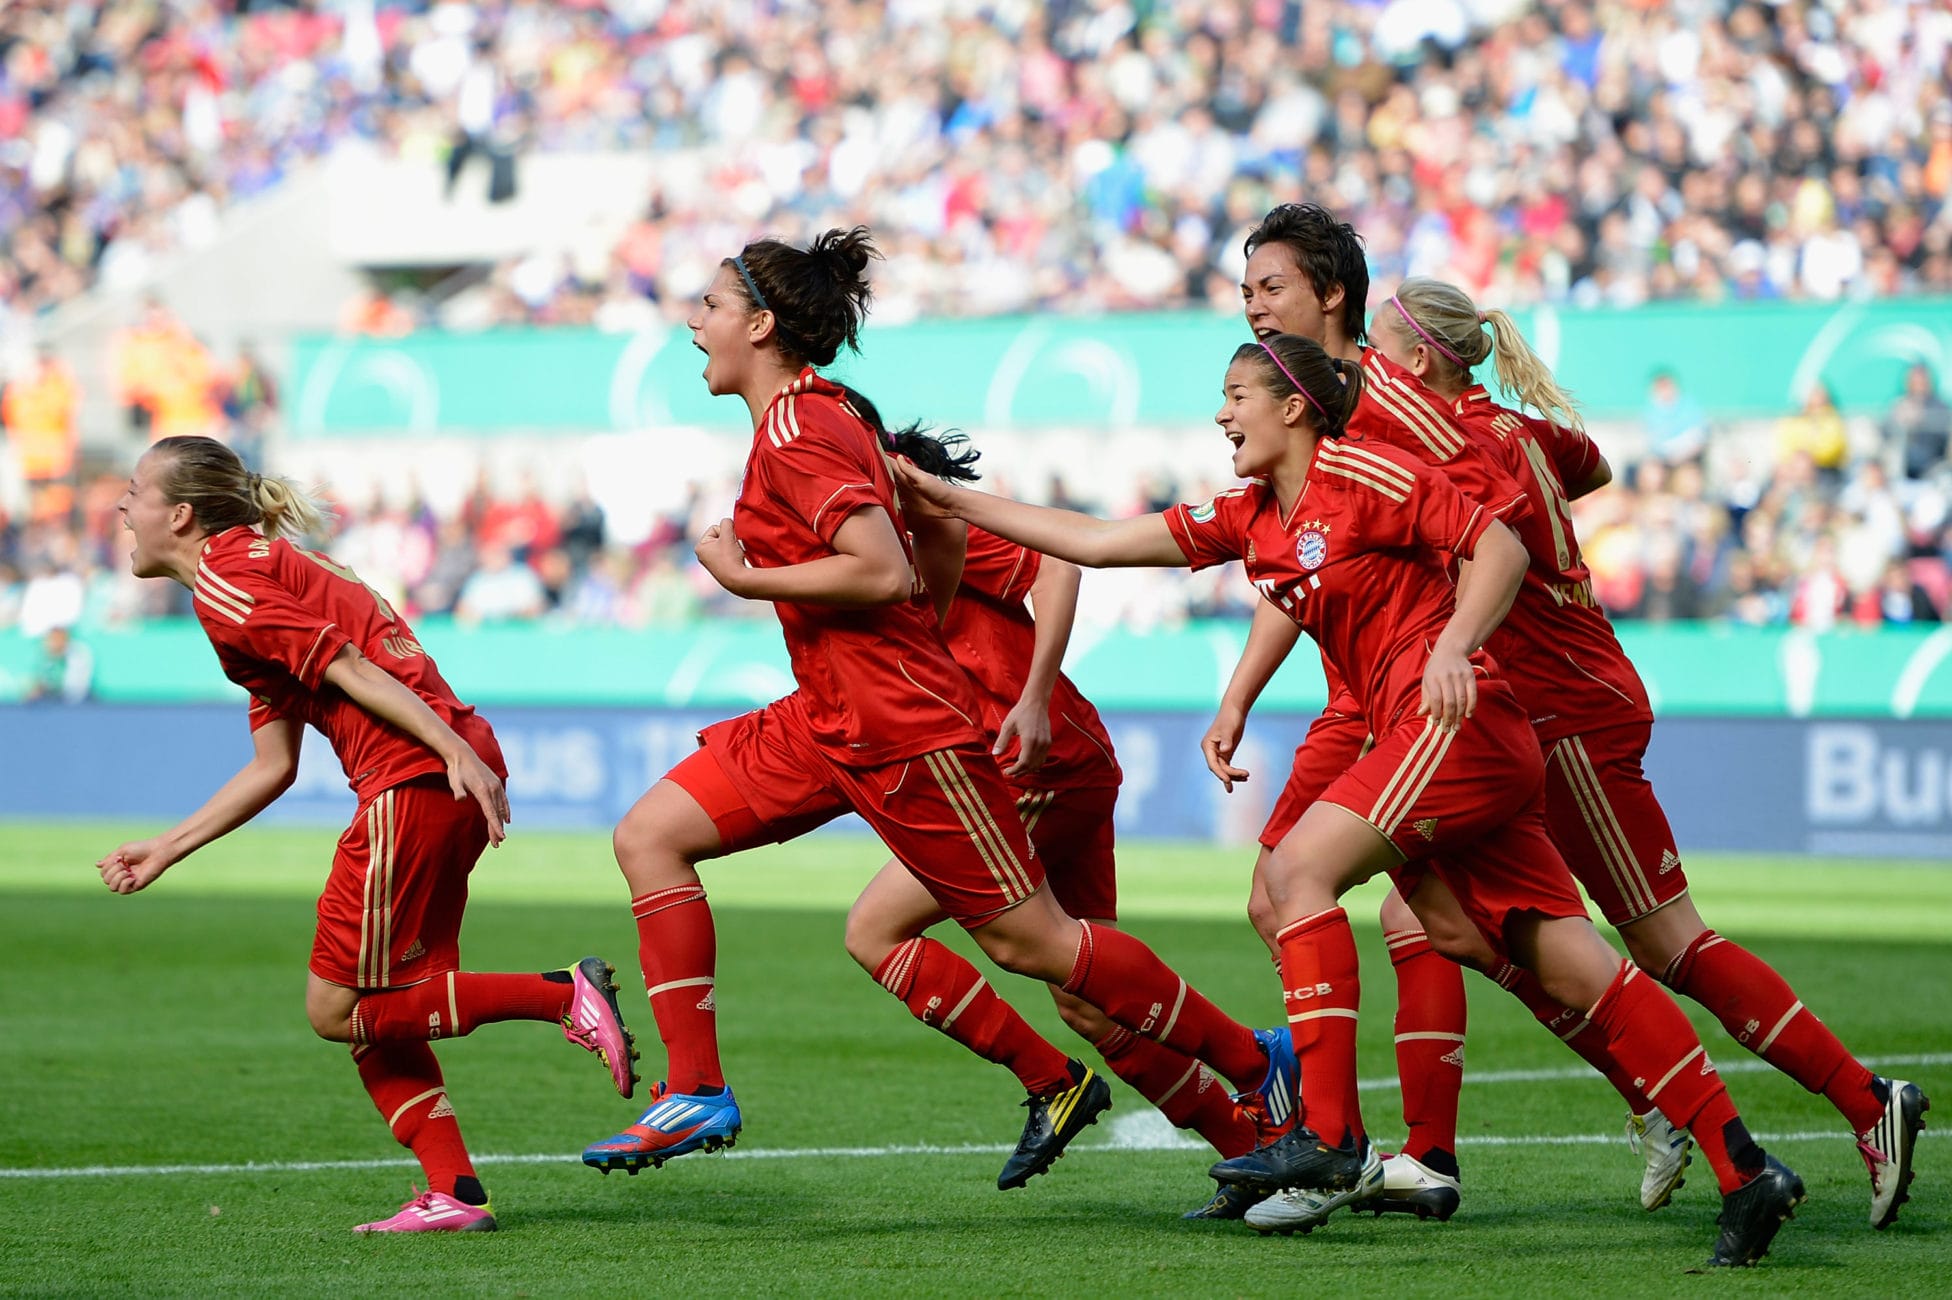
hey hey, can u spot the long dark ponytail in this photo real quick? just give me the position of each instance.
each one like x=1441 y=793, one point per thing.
x=946 y=455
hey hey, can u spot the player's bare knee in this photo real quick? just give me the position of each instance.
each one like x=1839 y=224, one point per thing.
x=867 y=942
x=330 y=1020
x=1260 y=914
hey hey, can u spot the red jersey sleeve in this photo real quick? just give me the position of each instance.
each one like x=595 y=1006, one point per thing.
x=1407 y=501
x=806 y=463
x=247 y=613
x=999 y=569
x=1573 y=454
x=1478 y=476
x=1211 y=533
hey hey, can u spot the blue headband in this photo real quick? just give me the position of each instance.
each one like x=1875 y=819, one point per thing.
x=752 y=286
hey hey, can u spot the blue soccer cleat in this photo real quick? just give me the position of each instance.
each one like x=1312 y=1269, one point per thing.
x=675 y=1124
x=1272 y=1105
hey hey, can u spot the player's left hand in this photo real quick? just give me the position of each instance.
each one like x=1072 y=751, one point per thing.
x=470 y=778
x=134 y=865
x=1450 y=688
x=1029 y=724
x=722 y=554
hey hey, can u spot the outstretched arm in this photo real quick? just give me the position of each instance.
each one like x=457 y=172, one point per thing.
x=1066 y=534
x=1270 y=638
x=384 y=696
x=273 y=766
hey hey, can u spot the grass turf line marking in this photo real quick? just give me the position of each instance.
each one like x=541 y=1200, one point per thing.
x=813 y=1153
x=1145 y=1140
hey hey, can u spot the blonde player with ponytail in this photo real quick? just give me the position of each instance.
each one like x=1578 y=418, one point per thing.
x=312 y=644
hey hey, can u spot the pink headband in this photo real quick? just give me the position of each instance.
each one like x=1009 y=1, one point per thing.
x=1411 y=321
x=1296 y=382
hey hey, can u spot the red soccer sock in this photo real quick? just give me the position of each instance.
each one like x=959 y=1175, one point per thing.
x=1574 y=1030
x=1322 y=992
x=1430 y=1015
x=1185 y=1091
x=456 y=1004
x=945 y=992
x=677 y=947
x=1651 y=1037
x=404 y=1081
x=1762 y=1013
x=1124 y=979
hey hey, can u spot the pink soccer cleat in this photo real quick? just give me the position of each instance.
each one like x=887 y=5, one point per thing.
x=595 y=1024
x=435 y=1212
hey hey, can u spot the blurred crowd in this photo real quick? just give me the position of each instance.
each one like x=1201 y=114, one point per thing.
x=1079 y=154
x=1820 y=522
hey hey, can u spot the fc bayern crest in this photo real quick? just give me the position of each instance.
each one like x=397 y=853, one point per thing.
x=1311 y=544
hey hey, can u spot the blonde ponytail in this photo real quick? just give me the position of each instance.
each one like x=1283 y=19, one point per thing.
x=208 y=477
x=1524 y=373
x=287 y=509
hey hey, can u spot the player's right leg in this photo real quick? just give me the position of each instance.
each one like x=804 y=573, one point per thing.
x=1074 y=835
x=1604 y=815
x=390 y=924
x=1649 y=1034
x=1665 y=1150
x=951 y=820
x=946 y=993
x=658 y=844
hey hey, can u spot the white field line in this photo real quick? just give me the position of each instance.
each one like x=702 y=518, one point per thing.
x=1143 y=1131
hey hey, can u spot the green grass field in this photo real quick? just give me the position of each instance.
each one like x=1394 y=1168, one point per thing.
x=168 y=1124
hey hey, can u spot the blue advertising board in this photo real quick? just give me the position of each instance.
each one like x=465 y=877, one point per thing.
x=1872 y=788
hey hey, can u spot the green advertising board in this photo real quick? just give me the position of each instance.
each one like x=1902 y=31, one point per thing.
x=734 y=665
x=1090 y=372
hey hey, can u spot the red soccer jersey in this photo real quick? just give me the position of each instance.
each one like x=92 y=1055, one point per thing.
x=879 y=686
x=1358 y=563
x=1556 y=646
x=993 y=637
x=1397 y=409
x=278 y=614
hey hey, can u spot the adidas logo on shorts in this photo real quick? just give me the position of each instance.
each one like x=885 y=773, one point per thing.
x=1669 y=861
x=414 y=952
x=1426 y=827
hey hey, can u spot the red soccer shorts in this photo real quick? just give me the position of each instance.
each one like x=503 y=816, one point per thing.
x=1470 y=800
x=946 y=815
x=1605 y=819
x=390 y=915
x=1076 y=842
x=1334 y=742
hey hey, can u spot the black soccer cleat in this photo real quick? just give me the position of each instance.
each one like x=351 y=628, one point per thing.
x=1297 y=1159
x=1752 y=1214
x=1052 y=1123
x=1229 y=1202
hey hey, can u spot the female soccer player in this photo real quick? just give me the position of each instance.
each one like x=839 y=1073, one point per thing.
x=1059 y=764
x=884 y=723
x=1594 y=721
x=312 y=644
x=1347 y=540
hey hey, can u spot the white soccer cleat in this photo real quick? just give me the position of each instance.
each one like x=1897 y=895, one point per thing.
x=1887 y=1149
x=1667 y=1151
x=1412 y=1187
x=1303 y=1210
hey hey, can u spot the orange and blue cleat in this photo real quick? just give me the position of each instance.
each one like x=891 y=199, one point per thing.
x=675 y=1124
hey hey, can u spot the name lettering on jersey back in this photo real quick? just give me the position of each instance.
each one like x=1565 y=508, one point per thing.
x=1573 y=593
